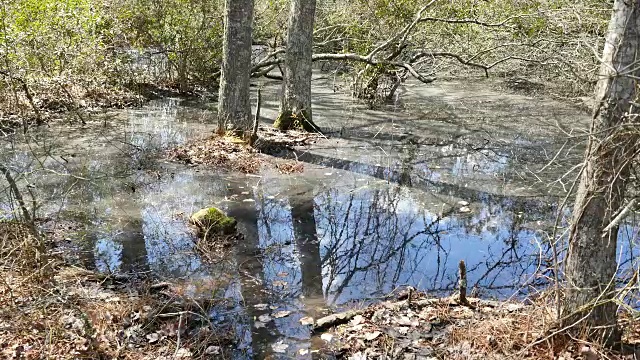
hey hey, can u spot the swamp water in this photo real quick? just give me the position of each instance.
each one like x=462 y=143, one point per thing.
x=395 y=197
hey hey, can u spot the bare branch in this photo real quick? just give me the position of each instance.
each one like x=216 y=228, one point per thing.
x=402 y=35
x=367 y=60
x=473 y=21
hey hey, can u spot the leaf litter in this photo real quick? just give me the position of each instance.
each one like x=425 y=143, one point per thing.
x=416 y=326
x=232 y=153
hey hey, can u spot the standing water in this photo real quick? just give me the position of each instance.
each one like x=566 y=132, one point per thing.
x=394 y=197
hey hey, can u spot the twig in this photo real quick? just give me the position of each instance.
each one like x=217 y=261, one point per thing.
x=462 y=284
x=256 y=120
x=616 y=221
x=178 y=335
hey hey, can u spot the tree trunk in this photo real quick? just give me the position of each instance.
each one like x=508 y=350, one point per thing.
x=591 y=260
x=234 y=108
x=295 y=107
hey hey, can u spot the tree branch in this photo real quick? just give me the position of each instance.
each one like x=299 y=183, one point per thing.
x=472 y=21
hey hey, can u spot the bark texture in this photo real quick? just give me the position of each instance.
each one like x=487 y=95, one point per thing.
x=234 y=107
x=295 y=107
x=591 y=260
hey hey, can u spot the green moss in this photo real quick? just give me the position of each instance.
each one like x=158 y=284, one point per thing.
x=287 y=120
x=212 y=221
x=284 y=121
x=234 y=138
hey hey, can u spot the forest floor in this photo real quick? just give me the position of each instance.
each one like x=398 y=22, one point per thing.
x=60 y=310
x=416 y=326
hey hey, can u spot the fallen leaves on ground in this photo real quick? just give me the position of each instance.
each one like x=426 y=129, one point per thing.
x=76 y=313
x=232 y=153
x=441 y=328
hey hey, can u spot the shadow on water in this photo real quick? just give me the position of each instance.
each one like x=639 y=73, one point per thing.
x=395 y=198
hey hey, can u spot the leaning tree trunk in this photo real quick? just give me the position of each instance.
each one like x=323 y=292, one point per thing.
x=295 y=107
x=591 y=261
x=234 y=108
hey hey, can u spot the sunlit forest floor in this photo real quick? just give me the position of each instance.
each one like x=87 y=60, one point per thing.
x=442 y=328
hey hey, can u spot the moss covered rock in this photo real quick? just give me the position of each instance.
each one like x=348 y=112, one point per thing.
x=212 y=221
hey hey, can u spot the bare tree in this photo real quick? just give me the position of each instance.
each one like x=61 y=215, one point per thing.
x=295 y=107
x=591 y=261
x=234 y=108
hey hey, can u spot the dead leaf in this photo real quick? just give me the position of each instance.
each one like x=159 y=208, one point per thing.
x=303 y=351
x=283 y=274
x=261 y=306
x=281 y=314
x=212 y=350
x=153 y=338
x=358 y=356
x=280 y=347
x=358 y=319
x=259 y=325
x=514 y=307
x=372 y=335
x=307 y=320
x=588 y=353
x=183 y=353
x=264 y=318
x=326 y=337
x=280 y=283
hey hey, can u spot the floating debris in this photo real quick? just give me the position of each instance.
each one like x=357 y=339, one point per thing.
x=280 y=347
x=307 y=320
x=281 y=314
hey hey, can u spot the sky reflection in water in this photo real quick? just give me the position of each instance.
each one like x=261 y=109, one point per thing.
x=357 y=225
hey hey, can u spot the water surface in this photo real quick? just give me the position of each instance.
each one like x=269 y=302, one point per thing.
x=395 y=197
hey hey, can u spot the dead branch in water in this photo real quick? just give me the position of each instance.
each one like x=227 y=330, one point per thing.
x=462 y=285
x=16 y=192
